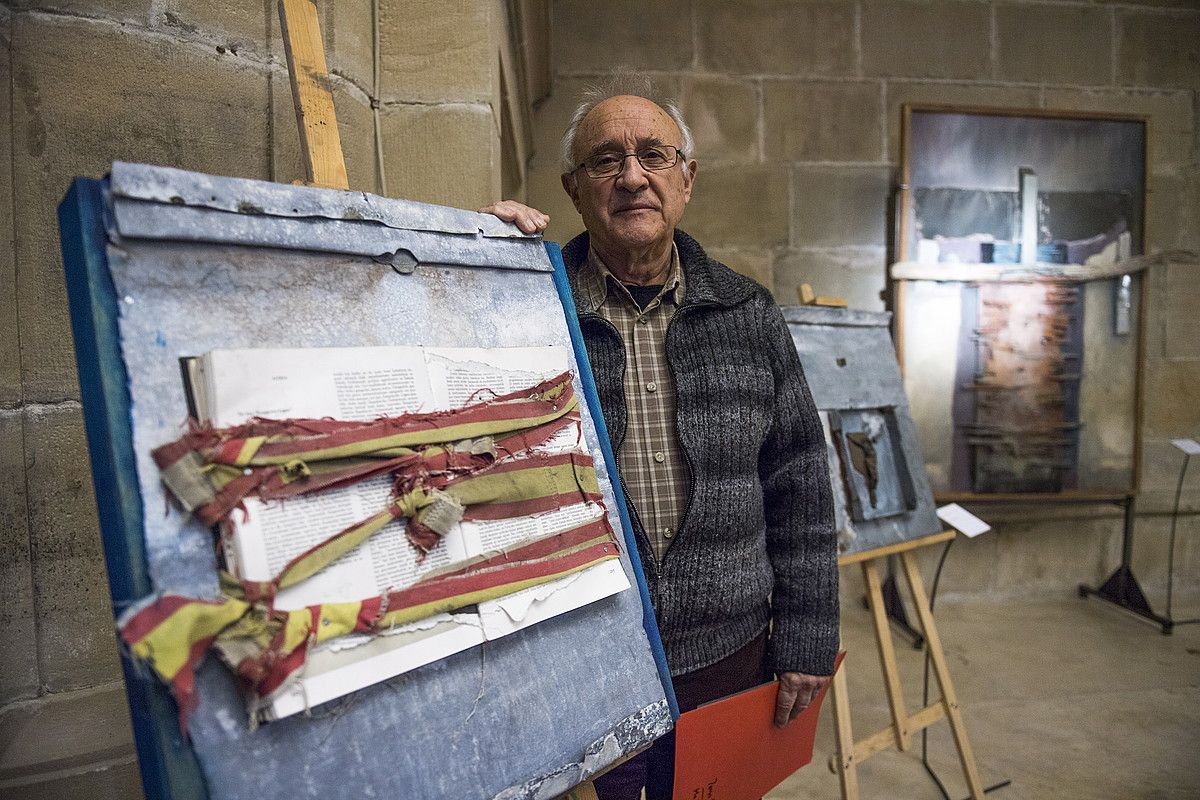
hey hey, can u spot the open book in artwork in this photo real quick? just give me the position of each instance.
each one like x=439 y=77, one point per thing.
x=231 y=387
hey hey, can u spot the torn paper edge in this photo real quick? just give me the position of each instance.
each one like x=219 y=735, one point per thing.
x=631 y=734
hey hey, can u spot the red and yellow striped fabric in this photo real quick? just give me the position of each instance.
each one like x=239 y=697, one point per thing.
x=476 y=462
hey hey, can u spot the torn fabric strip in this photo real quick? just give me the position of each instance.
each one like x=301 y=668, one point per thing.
x=266 y=646
x=478 y=462
x=210 y=471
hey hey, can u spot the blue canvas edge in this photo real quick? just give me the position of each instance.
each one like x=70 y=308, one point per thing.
x=168 y=765
x=592 y=398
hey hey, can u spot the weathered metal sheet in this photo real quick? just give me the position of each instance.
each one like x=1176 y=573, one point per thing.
x=941 y=359
x=836 y=317
x=850 y=364
x=516 y=717
x=1024 y=436
x=840 y=351
x=874 y=469
x=262 y=198
x=141 y=219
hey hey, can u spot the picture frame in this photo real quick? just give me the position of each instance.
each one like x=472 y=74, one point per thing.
x=1023 y=208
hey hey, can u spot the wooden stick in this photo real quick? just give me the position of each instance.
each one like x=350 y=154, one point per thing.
x=809 y=298
x=887 y=654
x=886 y=737
x=831 y=302
x=898 y=320
x=934 y=644
x=320 y=142
x=934 y=712
x=846 y=767
x=891 y=549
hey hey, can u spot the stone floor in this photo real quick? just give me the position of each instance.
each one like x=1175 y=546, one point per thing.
x=1069 y=700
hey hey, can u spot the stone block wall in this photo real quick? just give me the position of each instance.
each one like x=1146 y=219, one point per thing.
x=795 y=106
x=201 y=86
x=796 y=110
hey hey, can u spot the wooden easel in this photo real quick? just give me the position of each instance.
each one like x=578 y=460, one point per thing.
x=899 y=734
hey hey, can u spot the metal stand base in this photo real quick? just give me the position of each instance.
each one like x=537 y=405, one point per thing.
x=1122 y=588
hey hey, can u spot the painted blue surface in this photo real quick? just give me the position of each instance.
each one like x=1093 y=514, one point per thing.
x=563 y=285
x=168 y=765
x=525 y=716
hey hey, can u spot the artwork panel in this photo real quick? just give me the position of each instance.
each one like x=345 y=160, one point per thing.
x=850 y=365
x=208 y=289
x=1069 y=154
x=1033 y=407
x=963 y=170
x=873 y=465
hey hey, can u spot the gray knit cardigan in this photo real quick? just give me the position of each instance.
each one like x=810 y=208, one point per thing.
x=756 y=543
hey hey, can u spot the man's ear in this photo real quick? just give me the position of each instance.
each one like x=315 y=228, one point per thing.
x=689 y=180
x=571 y=187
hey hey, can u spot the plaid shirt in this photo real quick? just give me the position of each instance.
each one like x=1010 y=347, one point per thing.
x=652 y=463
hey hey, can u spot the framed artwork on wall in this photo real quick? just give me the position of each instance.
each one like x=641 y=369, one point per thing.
x=1018 y=298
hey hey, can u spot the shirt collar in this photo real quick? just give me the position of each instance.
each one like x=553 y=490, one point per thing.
x=596 y=282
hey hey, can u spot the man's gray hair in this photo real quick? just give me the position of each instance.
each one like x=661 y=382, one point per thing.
x=619 y=83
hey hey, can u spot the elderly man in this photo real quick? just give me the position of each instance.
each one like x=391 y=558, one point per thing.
x=720 y=448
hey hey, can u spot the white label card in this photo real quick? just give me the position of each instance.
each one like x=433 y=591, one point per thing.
x=1189 y=446
x=962 y=520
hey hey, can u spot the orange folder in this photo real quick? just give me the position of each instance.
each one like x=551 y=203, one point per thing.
x=731 y=750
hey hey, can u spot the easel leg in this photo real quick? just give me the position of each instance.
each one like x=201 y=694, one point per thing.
x=938 y=657
x=847 y=769
x=887 y=654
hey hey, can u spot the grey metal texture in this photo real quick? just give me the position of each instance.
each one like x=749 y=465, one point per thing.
x=243 y=195
x=850 y=363
x=519 y=717
x=867 y=375
x=840 y=317
x=174 y=205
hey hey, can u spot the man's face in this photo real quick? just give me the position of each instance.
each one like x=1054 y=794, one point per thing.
x=636 y=209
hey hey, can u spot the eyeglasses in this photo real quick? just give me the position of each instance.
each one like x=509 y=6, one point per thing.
x=653 y=159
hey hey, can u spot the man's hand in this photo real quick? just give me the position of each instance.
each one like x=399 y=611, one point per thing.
x=529 y=220
x=796 y=691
